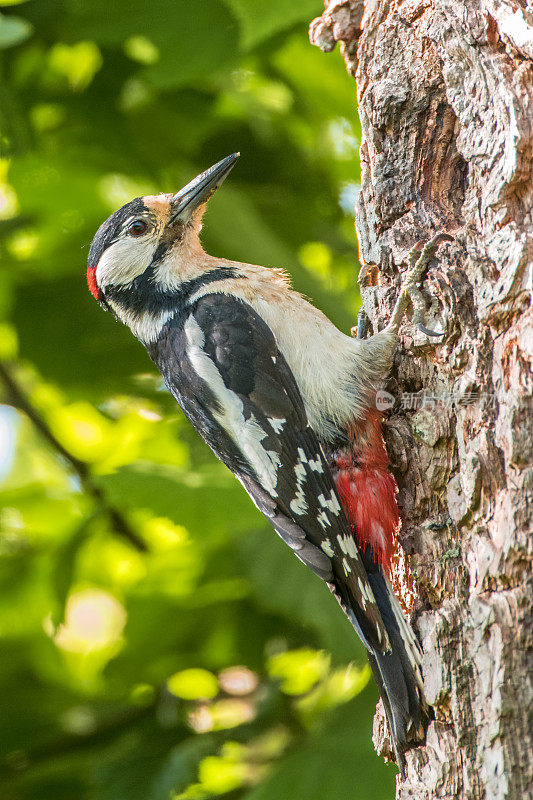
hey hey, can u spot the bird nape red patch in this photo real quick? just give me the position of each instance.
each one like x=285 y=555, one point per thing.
x=367 y=491
x=91 y=282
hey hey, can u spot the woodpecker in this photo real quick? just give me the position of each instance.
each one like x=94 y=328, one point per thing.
x=285 y=400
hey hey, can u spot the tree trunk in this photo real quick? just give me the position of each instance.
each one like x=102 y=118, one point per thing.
x=445 y=97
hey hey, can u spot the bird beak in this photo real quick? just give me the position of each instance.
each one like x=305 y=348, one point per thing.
x=200 y=189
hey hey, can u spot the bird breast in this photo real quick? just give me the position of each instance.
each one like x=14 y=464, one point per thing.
x=329 y=366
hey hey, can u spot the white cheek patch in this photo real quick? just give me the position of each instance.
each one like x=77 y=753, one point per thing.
x=246 y=433
x=125 y=260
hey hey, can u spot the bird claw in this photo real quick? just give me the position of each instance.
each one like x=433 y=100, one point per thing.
x=428 y=332
x=418 y=260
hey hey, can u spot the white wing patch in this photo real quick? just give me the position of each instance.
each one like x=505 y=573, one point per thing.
x=332 y=504
x=314 y=464
x=277 y=423
x=347 y=545
x=299 y=504
x=327 y=548
x=367 y=595
x=323 y=520
x=246 y=433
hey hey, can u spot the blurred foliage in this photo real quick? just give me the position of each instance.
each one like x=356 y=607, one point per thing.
x=207 y=661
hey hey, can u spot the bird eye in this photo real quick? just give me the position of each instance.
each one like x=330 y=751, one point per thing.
x=137 y=227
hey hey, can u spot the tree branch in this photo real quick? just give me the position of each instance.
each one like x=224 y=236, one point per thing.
x=18 y=398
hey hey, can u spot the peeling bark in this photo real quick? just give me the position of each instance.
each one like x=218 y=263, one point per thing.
x=445 y=91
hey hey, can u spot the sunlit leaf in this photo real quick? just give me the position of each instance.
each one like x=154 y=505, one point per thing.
x=13 y=31
x=78 y=63
x=219 y=775
x=193 y=684
x=337 y=760
x=298 y=670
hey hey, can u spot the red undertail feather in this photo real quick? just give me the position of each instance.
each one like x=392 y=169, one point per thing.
x=368 y=491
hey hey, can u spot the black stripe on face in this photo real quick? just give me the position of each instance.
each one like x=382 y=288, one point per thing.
x=143 y=296
x=172 y=234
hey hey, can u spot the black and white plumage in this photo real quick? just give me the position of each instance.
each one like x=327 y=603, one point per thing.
x=222 y=364
x=278 y=393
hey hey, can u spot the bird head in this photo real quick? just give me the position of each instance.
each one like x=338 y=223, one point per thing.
x=151 y=241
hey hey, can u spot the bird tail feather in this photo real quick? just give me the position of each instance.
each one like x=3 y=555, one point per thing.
x=398 y=674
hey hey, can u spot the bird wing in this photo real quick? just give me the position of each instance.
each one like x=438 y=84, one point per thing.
x=222 y=363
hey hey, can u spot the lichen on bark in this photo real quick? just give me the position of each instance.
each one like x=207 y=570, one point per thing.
x=445 y=95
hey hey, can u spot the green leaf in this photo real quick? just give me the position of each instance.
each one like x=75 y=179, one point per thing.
x=193 y=684
x=260 y=21
x=193 y=39
x=337 y=760
x=13 y=31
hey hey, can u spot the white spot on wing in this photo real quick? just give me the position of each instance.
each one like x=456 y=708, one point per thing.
x=362 y=589
x=366 y=592
x=346 y=567
x=332 y=504
x=327 y=548
x=246 y=433
x=314 y=465
x=347 y=545
x=277 y=423
x=299 y=504
x=323 y=520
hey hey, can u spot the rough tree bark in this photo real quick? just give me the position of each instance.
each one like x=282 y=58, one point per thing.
x=445 y=91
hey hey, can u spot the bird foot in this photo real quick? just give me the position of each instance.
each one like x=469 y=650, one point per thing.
x=417 y=261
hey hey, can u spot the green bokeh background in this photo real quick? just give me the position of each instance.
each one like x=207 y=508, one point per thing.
x=212 y=664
